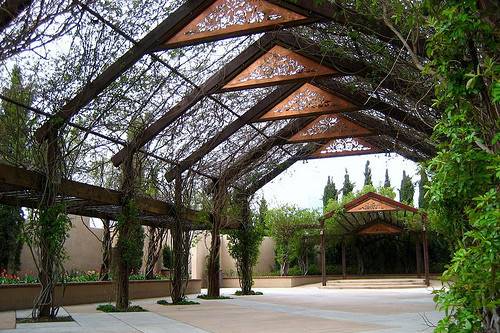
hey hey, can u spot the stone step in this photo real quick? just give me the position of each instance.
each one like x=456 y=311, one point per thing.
x=375 y=284
x=380 y=286
x=373 y=281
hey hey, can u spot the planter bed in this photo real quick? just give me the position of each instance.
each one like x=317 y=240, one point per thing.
x=21 y=296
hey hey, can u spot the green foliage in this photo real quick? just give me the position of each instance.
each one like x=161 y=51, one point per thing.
x=463 y=195
x=252 y=293
x=330 y=192
x=48 y=229
x=244 y=245
x=407 y=190
x=348 y=186
x=206 y=297
x=11 y=220
x=422 y=189
x=167 y=257
x=368 y=174
x=130 y=247
x=15 y=122
x=387 y=180
x=185 y=301
x=263 y=210
x=112 y=308
x=286 y=226
x=387 y=192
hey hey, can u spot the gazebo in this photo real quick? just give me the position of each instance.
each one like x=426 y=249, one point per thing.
x=375 y=214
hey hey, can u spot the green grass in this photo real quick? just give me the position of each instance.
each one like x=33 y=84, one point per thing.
x=183 y=302
x=252 y=293
x=112 y=308
x=211 y=297
x=43 y=320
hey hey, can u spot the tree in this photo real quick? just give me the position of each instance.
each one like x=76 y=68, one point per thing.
x=407 y=190
x=330 y=192
x=15 y=123
x=285 y=224
x=348 y=186
x=387 y=181
x=244 y=246
x=422 y=189
x=11 y=220
x=262 y=210
x=368 y=174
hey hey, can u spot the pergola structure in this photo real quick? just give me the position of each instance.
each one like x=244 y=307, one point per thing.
x=304 y=102
x=375 y=214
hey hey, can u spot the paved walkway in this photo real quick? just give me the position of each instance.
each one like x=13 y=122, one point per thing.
x=302 y=309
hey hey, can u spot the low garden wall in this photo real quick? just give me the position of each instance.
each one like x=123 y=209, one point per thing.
x=21 y=296
x=295 y=281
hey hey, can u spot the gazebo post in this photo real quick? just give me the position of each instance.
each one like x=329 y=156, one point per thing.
x=418 y=255
x=426 y=256
x=344 y=274
x=323 y=257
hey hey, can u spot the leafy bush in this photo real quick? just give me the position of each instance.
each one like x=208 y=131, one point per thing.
x=112 y=308
x=252 y=293
x=182 y=302
x=167 y=257
x=203 y=296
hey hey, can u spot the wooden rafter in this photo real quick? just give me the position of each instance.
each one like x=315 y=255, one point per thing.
x=280 y=168
x=331 y=126
x=280 y=138
x=171 y=25
x=306 y=101
x=379 y=228
x=229 y=18
x=231 y=128
x=278 y=65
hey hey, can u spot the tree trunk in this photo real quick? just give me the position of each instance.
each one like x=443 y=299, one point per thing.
x=245 y=267
x=45 y=301
x=156 y=238
x=123 y=268
x=106 y=251
x=213 y=278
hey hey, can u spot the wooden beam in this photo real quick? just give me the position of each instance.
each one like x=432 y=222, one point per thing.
x=399 y=135
x=213 y=84
x=334 y=11
x=280 y=168
x=364 y=101
x=348 y=66
x=253 y=155
x=166 y=29
x=10 y=10
x=256 y=111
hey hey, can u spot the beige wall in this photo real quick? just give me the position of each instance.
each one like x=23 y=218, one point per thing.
x=82 y=247
x=199 y=254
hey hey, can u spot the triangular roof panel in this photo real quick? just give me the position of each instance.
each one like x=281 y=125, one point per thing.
x=278 y=65
x=307 y=100
x=226 y=17
x=329 y=126
x=379 y=228
x=345 y=147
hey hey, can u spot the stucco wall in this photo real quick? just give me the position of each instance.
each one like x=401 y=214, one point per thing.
x=83 y=249
x=199 y=254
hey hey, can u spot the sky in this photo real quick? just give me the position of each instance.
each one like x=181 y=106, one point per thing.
x=303 y=183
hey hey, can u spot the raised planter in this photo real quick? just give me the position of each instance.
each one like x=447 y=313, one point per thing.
x=21 y=296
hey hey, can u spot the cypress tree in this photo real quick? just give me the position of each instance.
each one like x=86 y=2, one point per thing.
x=387 y=181
x=407 y=190
x=368 y=174
x=348 y=186
x=330 y=192
x=424 y=181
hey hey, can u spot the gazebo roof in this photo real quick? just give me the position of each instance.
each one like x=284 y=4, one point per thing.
x=373 y=213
